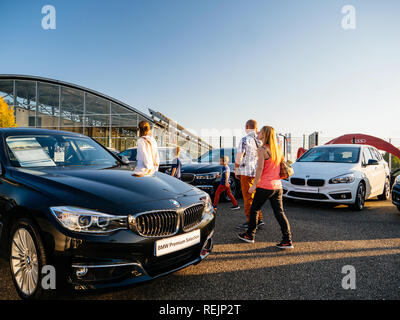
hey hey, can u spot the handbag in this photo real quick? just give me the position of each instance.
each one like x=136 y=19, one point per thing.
x=286 y=170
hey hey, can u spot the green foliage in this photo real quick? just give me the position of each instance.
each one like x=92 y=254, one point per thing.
x=395 y=161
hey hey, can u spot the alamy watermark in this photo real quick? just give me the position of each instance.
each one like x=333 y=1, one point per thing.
x=349 y=19
x=49 y=277
x=49 y=20
x=349 y=280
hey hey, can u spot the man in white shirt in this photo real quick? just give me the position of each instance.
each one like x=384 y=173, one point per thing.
x=245 y=168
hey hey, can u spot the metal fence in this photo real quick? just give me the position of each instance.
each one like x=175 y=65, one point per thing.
x=290 y=146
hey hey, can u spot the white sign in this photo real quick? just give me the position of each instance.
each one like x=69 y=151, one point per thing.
x=59 y=154
x=29 y=152
x=177 y=243
x=306 y=189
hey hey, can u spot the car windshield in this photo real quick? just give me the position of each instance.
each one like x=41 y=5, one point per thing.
x=214 y=155
x=333 y=154
x=56 y=151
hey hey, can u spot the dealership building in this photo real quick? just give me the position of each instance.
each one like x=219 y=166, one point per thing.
x=52 y=104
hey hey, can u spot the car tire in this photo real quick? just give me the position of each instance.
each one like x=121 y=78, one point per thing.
x=359 y=202
x=26 y=257
x=386 y=191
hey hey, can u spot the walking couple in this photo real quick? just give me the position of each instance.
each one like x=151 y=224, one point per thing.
x=257 y=166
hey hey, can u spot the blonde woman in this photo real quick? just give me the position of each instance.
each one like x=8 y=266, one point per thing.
x=268 y=186
x=147 y=152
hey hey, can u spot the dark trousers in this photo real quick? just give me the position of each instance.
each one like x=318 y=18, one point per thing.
x=275 y=197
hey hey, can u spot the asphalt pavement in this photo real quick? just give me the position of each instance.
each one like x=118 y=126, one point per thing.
x=326 y=239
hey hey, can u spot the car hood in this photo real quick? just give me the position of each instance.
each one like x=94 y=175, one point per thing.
x=112 y=189
x=197 y=168
x=321 y=170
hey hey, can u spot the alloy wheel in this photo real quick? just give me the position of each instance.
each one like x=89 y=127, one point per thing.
x=387 y=188
x=361 y=196
x=24 y=261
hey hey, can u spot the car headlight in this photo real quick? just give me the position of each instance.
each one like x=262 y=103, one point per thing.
x=346 y=178
x=209 y=208
x=208 y=176
x=83 y=220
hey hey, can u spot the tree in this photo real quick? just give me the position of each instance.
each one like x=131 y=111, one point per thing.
x=7 y=118
x=395 y=161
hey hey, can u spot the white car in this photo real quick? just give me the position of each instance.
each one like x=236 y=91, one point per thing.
x=343 y=174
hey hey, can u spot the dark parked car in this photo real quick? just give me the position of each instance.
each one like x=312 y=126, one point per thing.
x=67 y=202
x=396 y=189
x=393 y=176
x=205 y=174
x=167 y=156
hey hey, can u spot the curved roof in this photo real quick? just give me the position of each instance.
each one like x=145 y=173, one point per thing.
x=365 y=139
x=73 y=86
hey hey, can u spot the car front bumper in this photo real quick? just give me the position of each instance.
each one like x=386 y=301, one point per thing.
x=122 y=258
x=343 y=193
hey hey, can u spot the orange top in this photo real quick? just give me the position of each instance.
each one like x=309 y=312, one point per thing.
x=270 y=177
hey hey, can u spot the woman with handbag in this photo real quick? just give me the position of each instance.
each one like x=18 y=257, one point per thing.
x=271 y=168
x=147 y=152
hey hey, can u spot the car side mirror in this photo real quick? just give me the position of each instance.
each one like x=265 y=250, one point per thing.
x=372 y=162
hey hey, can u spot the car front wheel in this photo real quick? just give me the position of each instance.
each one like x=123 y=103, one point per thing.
x=27 y=256
x=359 y=202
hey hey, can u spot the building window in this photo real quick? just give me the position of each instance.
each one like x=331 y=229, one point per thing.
x=48 y=106
x=72 y=109
x=25 y=102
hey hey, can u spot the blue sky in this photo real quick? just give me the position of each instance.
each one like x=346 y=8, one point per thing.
x=212 y=64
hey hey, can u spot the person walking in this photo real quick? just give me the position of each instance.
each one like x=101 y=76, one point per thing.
x=176 y=164
x=148 y=158
x=268 y=186
x=245 y=168
x=224 y=184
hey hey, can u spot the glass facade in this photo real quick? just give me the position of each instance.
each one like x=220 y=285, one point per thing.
x=50 y=104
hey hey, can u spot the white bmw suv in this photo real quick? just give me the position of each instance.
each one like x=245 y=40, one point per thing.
x=343 y=174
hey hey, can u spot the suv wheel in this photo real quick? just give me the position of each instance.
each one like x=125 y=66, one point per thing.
x=359 y=202
x=386 y=191
x=26 y=256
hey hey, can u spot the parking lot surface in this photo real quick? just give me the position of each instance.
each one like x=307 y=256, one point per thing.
x=326 y=239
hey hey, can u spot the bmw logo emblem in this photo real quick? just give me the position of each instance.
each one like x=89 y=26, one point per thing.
x=175 y=203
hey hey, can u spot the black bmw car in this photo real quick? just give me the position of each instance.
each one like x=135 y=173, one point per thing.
x=68 y=203
x=205 y=173
x=396 y=189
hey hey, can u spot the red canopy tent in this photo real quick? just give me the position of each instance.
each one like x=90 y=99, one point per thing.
x=300 y=152
x=359 y=138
